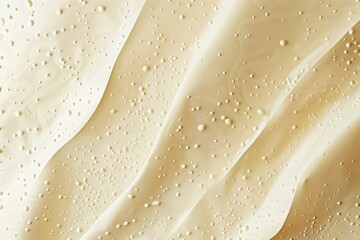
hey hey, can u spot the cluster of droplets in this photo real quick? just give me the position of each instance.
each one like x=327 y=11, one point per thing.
x=205 y=147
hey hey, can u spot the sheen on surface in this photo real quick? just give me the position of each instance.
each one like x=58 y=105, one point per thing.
x=179 y=119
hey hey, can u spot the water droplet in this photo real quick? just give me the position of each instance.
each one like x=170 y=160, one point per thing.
x=228 y=121
x=29 y=3
x=283 y=42
x=146 y=68
x=18 y=113
x=101 y=8
x=155 y=203
x=59 y=12
x=201 y=127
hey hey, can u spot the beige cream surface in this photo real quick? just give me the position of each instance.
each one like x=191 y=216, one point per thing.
x=217 y=119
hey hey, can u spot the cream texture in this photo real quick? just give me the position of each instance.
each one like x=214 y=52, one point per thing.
x=217 y=119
